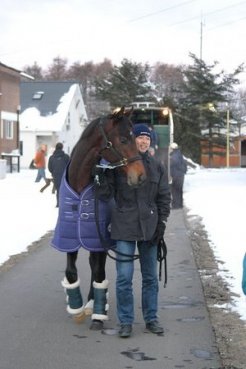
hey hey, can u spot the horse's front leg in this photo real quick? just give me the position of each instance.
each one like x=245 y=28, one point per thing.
x=71 y=284
x=98 y=290
x=97 y=263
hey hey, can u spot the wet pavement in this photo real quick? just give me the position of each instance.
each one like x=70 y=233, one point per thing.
x=36 y=332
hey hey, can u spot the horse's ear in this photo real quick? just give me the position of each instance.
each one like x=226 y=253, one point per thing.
x=128 y=111
x=119 y=112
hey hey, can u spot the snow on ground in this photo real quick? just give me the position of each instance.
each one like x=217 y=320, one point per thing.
x=26 y=214
x=218 y=196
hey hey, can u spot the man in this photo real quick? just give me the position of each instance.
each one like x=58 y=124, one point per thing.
x=56 y=165
x=178 y=168
x=138 y=219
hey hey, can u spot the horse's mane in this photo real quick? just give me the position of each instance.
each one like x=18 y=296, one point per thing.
x=90 y=128
x=85 y=134
x=88 y=131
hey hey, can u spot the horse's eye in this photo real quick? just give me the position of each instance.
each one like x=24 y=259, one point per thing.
x=123 y=140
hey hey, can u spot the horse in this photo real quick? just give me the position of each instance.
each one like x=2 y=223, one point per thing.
x=109 y=138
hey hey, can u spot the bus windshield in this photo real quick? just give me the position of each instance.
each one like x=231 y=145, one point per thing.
x=150 y=116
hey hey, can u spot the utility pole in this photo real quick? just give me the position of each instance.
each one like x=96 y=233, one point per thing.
x=201 y=37
x=227 y=136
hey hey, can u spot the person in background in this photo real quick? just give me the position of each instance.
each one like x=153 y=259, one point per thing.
x=154 y=140
x=57 y=164
x=151 y=151
x=139 y=219
x=40 y=164
x=244 y=275
x=178 y=168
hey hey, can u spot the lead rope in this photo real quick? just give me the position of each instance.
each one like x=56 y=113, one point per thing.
x=106 y=245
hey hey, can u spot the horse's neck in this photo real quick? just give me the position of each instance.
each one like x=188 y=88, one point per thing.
x=80 y=170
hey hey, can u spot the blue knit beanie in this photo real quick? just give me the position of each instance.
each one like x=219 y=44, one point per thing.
x=141 y=130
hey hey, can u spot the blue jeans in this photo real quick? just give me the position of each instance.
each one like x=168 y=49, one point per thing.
x=150 y=287
x=40 y=175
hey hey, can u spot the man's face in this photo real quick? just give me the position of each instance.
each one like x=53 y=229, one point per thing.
x=142 y=143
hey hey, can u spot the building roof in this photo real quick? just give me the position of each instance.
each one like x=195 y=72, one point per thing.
x=45 y=96
x=45 y=105
x=9 y=68
x=13 y=71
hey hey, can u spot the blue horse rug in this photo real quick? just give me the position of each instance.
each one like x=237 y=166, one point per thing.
x=76 y=224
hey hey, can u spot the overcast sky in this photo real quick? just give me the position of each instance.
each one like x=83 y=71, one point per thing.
x=140 y=30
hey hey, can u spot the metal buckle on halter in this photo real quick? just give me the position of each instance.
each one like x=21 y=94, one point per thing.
x=108 y=145
x=124 y=161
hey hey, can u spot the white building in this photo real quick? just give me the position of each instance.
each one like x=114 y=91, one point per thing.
x=51 y=112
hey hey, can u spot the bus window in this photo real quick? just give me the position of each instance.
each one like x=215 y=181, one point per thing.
x=150 y=116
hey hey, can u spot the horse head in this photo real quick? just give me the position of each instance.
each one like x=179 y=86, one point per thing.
x=111 y=138
x=119 y=147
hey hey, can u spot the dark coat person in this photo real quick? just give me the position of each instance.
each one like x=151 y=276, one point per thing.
x=139 y=217
x=56 y=165
x=178 y=168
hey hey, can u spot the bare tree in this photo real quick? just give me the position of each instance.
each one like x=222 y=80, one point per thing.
x=57 y=70
x=34 y=70
x=166 y=78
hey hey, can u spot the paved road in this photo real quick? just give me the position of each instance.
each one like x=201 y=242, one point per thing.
x=37 y=333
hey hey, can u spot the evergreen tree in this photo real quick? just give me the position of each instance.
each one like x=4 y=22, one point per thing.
x=124 y=84
x=198 y=116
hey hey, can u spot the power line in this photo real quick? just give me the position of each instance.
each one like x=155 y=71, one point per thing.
x=160 y=11
x=192 y=18
x=226 y=24
x=207 y=14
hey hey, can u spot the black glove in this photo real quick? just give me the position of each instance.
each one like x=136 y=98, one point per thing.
x=159 y=233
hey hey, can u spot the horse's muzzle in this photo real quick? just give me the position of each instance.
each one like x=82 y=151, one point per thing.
x=136 y=174
x=136 y=183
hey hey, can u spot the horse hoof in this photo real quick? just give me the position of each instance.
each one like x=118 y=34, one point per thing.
x=79 y=318
x=96 y=325
x=88 y=311
x=89 y=308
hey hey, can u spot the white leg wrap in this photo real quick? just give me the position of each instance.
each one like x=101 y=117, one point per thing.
x=100 y=308
x=69 y=287
x=102 y=285
x=99 y=317
x=75 y=311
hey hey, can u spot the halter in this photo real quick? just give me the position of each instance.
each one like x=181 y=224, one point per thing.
x=122 y=161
